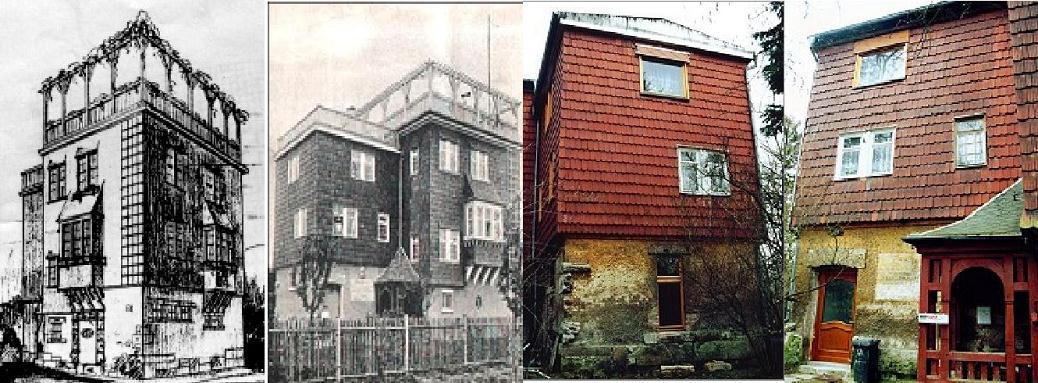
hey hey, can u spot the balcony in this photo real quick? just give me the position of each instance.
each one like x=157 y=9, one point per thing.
x=130 y=97
x=32 y=180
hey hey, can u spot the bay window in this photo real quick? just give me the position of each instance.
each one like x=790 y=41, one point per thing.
x=483 y=221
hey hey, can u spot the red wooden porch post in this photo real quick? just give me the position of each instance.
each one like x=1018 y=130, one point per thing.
x=945 y=331
x=1009 y=290
x=924 y=305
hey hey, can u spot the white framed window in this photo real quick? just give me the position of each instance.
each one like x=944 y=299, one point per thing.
x=479 y=165
x=664 y=77
x=350 y=226
x=171 y=167
x=362 y=165
x=971 y=146
x=448 y=301
x=483 y=221
x=865 y=154
x=415 y=248
x=450 y=249
x=883 y=65
x=383 y=227
x=448 y=156
x=344 y=221
x=703 y=172
x=293 y=168
x=299 y=225
x=414 y=161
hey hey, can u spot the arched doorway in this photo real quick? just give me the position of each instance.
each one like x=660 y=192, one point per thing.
x=978 y=311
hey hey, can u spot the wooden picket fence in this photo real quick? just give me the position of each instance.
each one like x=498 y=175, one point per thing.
x=330 y=350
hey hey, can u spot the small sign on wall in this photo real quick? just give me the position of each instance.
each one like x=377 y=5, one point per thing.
x=933 y=318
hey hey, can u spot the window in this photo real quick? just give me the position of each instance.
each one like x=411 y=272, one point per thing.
x=664 y=77
x=213 y=321
x=56 y=181
x=865 y=154
x=881 y=66
x=86 y=170
x=479 y=166
x=670 y=293
x=299 y=225
x=362 y=166
x=171 y=166
x=703 y=172
x=383 y=227
x=449 y=247
x=414 y=161
x=415 y=248
x=448 y=301
x=52 y=272
x=483 y=221
x=208 y=184
x=164 y=310
x=55 y=325
x=77 y=241
x=971 y=148
x=293 y=168
x=338 y=220
x=448 y=156
x=349 y=228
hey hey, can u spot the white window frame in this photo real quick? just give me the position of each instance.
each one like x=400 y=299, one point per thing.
x=448 y=156
x=702 y=187
x=450 y=246
x=293 y=168
x=299 y=224
x=447 y=301
x=983 y=140
x=479 y=165
x=362 y=165
x=383 y=228
x=484 y=221
x=415 y=161
x=415 y=248
x=865 y=152
x=349 y=222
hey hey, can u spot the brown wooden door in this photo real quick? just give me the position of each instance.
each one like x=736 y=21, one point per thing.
x=834 y=321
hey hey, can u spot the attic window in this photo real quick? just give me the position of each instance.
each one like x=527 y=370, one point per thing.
x=884 y=65
x=663 y=77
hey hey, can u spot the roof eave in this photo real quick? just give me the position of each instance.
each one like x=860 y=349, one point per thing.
x=739 y=53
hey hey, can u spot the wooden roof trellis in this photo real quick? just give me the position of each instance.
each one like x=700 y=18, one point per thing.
x=141 y=33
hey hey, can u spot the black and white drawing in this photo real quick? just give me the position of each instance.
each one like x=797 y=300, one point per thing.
x=139 y=191
x=395 y=233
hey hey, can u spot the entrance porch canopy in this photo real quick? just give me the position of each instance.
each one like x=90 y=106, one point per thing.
x=980 y=276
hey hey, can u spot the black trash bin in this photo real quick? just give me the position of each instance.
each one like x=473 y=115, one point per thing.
x=865 y=359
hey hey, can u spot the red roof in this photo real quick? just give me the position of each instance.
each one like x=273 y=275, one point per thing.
x=954 y=68
x=616 y=171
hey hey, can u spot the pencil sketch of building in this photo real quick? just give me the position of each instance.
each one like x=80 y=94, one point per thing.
x=133 y=216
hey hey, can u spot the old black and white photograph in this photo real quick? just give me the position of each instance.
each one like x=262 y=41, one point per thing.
x=132 y=196
x=395 y=192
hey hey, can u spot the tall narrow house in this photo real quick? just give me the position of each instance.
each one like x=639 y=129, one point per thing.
x=407 y=204
x=638 y=145
x=917 y=229
x=133 y=216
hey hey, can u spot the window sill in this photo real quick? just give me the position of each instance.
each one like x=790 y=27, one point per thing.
x=862 y=177
x=446 y=311
x=884 y=82
x=665 y=96
x=693 y=194
x=975 y=166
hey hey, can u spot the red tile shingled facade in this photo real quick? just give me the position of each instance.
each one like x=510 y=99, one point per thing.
x=954 y=68
x=608 y=158
x=1023 y=23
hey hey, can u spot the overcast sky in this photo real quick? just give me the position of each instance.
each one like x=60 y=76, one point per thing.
x=222 y=38
x=804 y=19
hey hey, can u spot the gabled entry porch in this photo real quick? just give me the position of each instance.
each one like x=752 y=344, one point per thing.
x=977 y=297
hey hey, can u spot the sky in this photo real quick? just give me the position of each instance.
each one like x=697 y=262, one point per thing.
x=714 y=19
x=222 y=38
x=804 y=19
x=342 y=55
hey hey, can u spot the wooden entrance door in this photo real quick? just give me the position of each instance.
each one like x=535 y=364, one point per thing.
x=834 y=321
